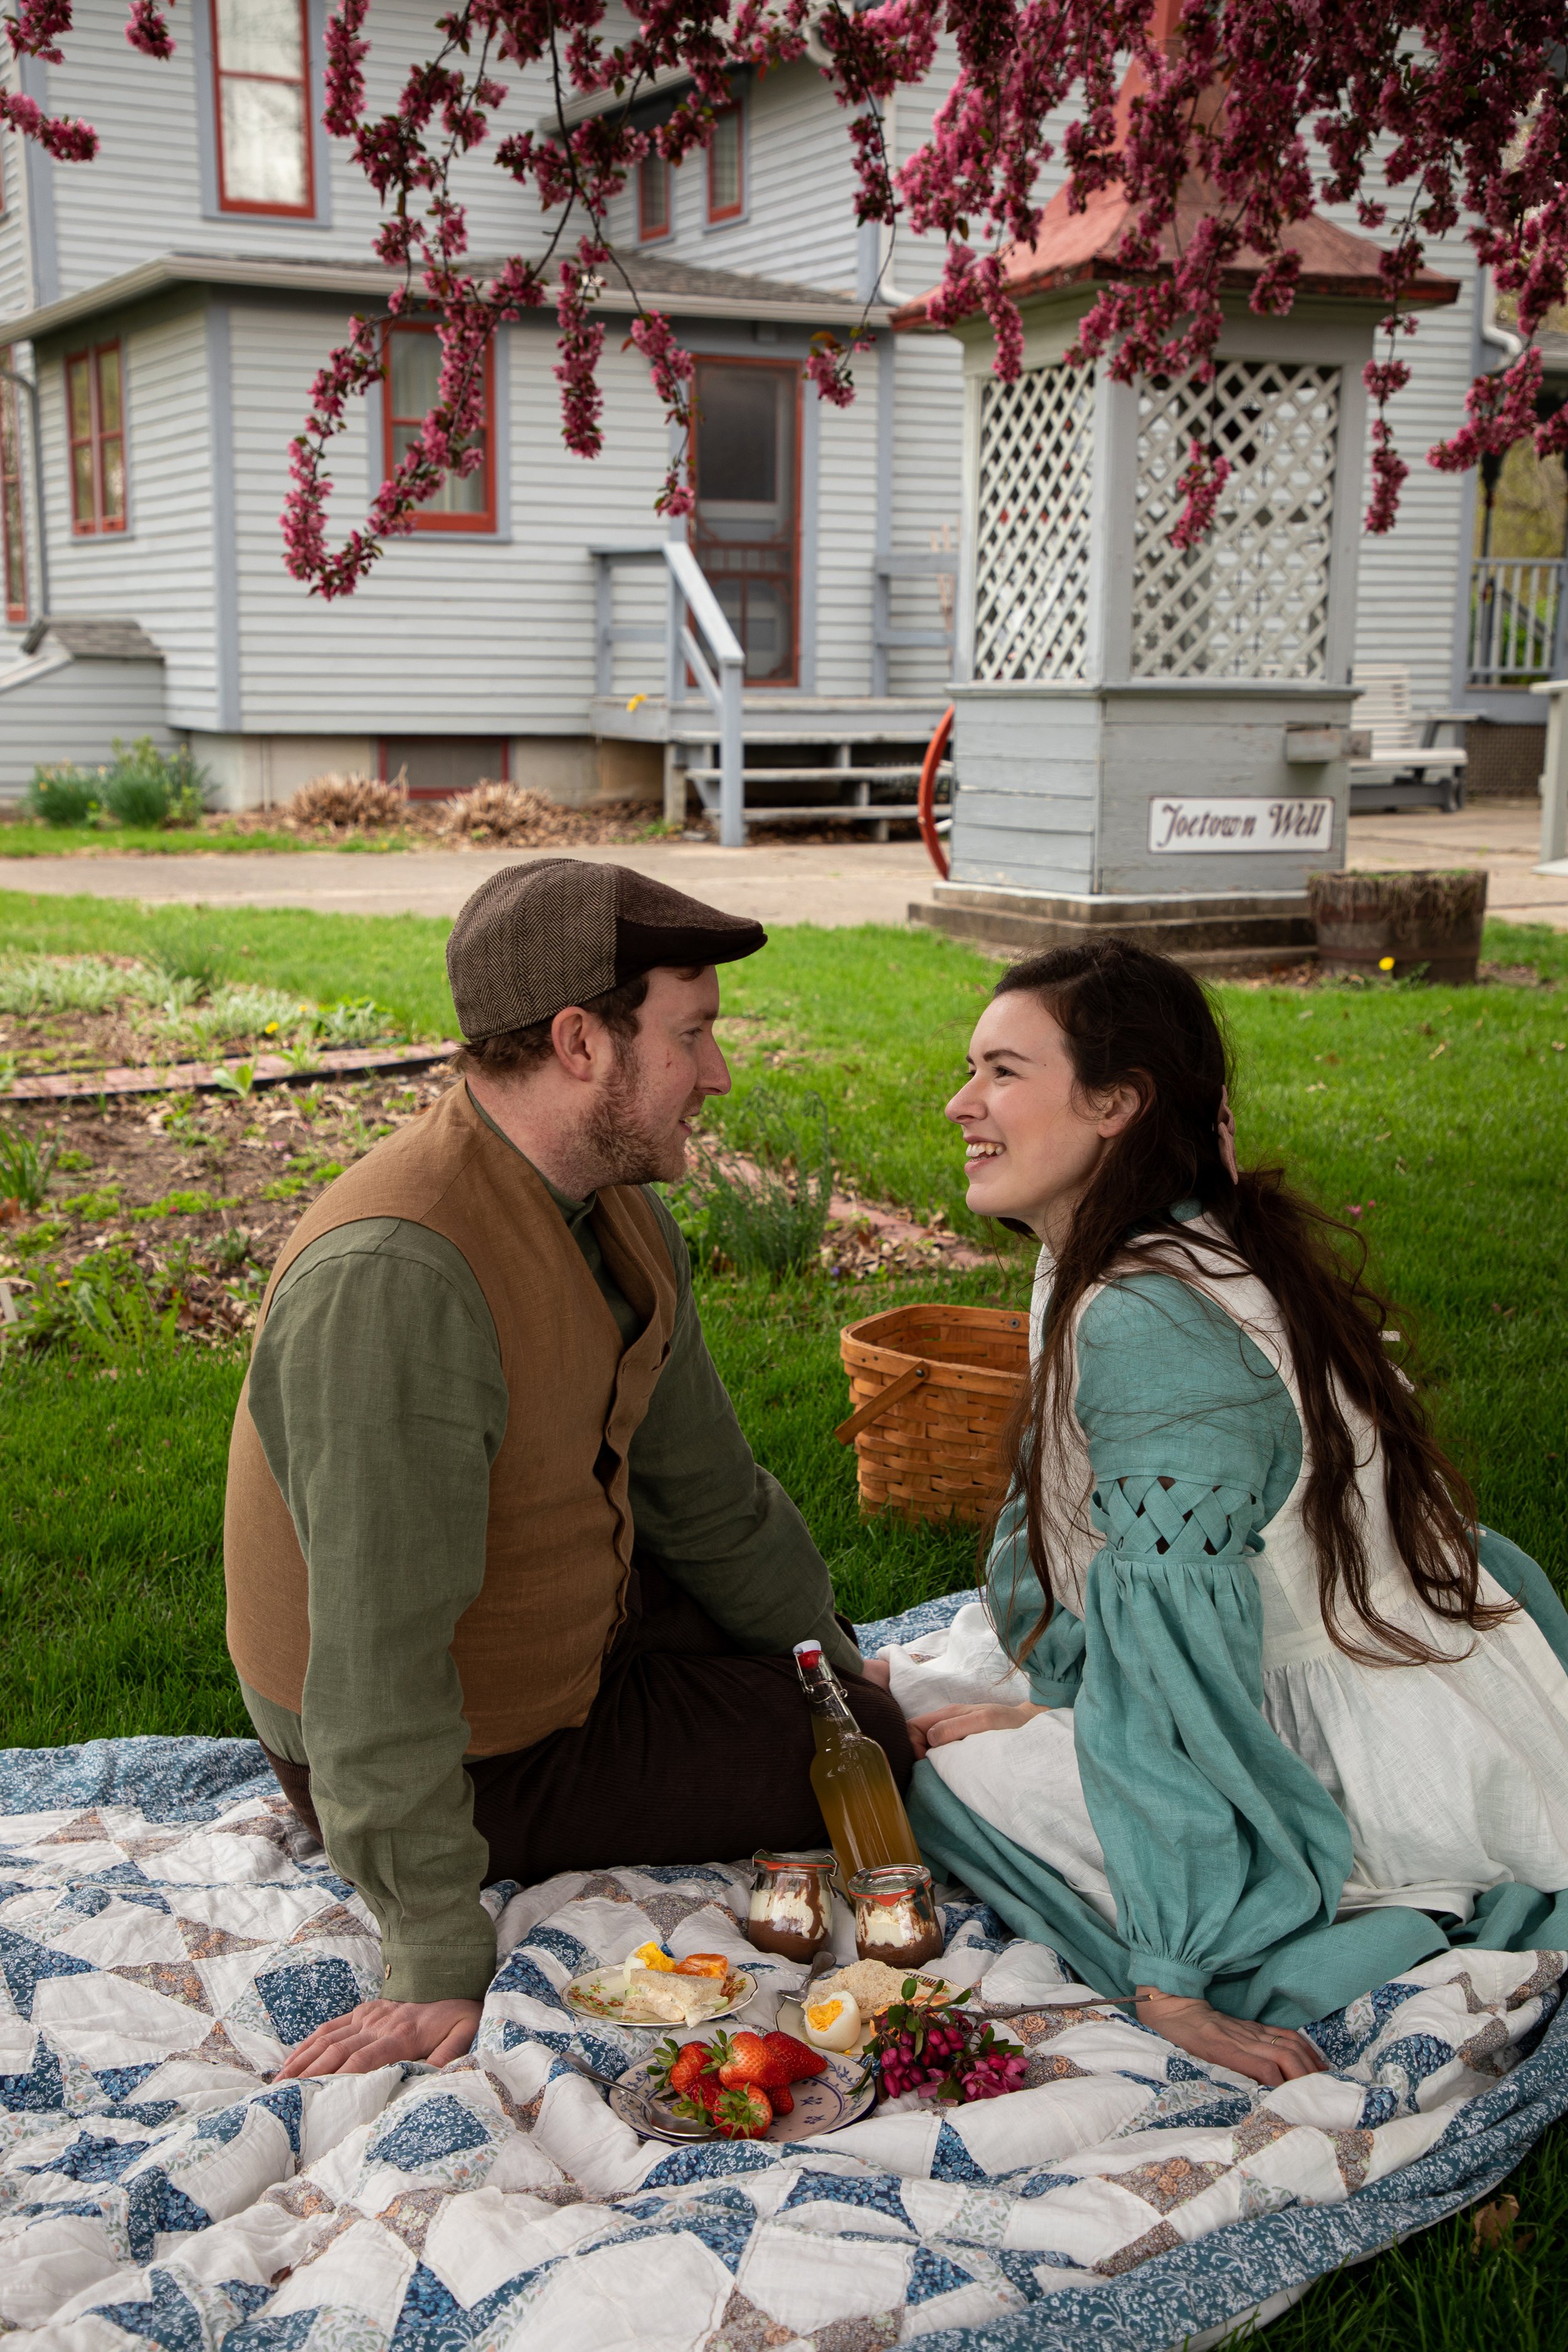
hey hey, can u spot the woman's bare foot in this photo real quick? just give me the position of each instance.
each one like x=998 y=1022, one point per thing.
x=1270 y=2054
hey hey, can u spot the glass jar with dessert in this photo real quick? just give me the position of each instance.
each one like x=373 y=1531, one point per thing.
x=895 y=1915
x=791 y=1910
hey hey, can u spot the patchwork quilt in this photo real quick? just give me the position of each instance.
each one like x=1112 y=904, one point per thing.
x=167 y=1931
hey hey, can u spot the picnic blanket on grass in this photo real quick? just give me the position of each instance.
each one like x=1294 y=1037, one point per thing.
x=167 y=1930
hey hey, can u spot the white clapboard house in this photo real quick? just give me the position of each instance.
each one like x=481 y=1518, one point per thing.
x=167 y=305
x=171 y=302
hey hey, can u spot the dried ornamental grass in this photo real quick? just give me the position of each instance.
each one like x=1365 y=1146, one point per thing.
x=509 y=813
x=348 y=800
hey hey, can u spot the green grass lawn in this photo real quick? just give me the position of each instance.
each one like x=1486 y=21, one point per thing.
x=1439 y=1115
x=20 y=839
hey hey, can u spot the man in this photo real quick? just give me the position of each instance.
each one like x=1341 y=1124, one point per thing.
x=507 y=1593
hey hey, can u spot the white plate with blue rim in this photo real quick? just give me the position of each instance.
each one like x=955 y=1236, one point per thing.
x=840 y=2095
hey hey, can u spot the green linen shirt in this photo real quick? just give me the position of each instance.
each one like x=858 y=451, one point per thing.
x=377 y=1393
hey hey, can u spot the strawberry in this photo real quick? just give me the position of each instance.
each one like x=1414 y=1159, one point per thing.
x=677 y=2070
x=743 y=2059
x=744 y=2113
x=794 y=2062
x=780 y=2102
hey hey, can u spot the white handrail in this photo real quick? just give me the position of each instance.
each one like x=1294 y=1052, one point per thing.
x=698 y=636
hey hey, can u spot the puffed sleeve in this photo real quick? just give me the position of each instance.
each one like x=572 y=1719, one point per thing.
x=1218 y=1839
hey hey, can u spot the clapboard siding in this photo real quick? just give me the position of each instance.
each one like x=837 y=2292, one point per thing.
x=159 y=572
x=141 y=196
x=450 y=635
x=926 y=493
x=847 y=528
x=55 y=709
x=799 y=220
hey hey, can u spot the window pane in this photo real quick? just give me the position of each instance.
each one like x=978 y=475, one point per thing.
x=263 y=36
x=113 y=481
x=459 y=494
x=81 y=400
x=263 y=142
x=724 y=163
x=108 y=389
x=83 y=508
x=654 y=195
x=416 y=370
x=737 y=434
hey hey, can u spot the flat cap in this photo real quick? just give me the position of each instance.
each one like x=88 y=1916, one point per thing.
x=559 y=930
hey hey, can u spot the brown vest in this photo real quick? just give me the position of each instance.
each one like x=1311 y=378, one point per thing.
x=558 y=1545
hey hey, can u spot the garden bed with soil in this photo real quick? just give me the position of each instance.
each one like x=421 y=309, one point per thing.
x=176 y=1203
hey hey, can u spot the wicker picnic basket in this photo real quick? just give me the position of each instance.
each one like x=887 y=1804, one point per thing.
x=932 y=1389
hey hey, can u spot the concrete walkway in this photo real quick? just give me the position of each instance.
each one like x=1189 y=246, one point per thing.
x=857 y=882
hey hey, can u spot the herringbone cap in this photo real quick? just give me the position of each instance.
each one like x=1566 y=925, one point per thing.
x=559 y=930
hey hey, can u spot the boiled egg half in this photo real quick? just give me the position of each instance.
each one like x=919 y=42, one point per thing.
x=834 y=2023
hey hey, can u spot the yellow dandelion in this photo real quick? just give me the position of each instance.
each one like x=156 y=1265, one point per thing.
x=1385 y=963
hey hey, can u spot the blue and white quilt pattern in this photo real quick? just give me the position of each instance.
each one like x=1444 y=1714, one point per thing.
x=167 y=1930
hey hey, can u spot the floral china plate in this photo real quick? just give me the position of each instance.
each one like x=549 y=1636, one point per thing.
x=825 y=2103
x=597 y=1994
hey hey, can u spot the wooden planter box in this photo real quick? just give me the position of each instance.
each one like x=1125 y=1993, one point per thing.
x=1396 y=922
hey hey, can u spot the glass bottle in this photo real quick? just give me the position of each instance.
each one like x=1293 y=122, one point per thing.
x=790 y=1909
x=852 y=1778
x=895 y=1915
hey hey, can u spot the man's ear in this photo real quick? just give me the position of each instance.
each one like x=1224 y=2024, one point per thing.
x=579 y=1042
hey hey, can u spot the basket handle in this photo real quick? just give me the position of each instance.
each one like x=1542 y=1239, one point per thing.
x=894 y=1393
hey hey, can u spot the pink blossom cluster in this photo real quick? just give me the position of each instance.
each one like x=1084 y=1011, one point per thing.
x=1221 y=122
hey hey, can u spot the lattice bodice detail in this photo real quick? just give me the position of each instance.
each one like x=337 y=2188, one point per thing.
x=1252 y=599
x=1150 y=1518
x=1032 y=546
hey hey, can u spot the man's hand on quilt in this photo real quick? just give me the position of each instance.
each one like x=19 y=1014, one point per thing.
x=945 y=1723
x=380 y=2032
x=1269 y=2054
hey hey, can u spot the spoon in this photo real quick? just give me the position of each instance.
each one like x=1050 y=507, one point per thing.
x=679 y=2126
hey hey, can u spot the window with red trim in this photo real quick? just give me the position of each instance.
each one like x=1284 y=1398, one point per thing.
x=726 y=172
x=95 y=420
x=411 y=379
x=261 y=62
x=13 y=540
x=654 y=206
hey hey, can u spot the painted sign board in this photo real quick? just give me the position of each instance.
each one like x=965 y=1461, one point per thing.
x=1180 y=826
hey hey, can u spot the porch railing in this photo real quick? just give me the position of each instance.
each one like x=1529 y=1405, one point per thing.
x=1518 y=610
x=697 y=638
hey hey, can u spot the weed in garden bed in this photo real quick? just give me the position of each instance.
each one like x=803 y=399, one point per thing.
x=27 y=1164
x=762 y=1209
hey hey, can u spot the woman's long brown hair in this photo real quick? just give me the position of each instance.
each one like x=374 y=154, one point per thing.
x=1133 y=1018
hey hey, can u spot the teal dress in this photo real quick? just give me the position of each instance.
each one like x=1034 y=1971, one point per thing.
x=1226 y=1853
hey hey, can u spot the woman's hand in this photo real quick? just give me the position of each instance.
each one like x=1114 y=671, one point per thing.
x=945 y=1723
x=380 y=2032
x=878 y=1671
x=1272 y=2055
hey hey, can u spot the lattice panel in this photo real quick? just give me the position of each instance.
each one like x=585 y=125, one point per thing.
x=1252 y=599
x=1031 y=574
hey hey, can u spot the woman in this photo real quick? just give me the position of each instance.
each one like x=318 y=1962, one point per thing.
x=1256 y=1717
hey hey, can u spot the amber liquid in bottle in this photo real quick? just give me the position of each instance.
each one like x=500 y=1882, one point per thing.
x=853 y=1780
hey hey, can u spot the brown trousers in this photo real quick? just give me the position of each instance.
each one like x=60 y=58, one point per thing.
x=691 y=1753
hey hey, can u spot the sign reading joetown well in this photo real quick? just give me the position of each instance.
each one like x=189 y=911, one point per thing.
x=1290 y=823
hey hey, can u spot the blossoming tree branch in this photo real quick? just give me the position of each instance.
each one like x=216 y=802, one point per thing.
x=1271 y=106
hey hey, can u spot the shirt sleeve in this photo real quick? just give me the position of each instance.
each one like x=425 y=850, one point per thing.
x=376 y=1389
x=1526 y=1581
x=717 y=1523
x=1218 y=1841
x=1016 y=1599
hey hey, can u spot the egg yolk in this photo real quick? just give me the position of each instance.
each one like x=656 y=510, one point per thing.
x=649 y=1956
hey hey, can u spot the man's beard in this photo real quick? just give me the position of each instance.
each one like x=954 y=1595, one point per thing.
x=625 y=1146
